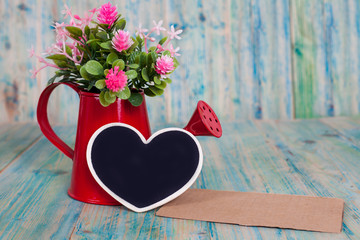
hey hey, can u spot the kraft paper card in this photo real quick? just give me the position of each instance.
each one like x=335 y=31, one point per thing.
x=258 y=209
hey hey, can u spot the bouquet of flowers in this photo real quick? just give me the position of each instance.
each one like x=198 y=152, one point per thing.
x=101 y=57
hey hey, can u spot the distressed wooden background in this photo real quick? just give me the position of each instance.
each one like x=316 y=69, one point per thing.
x=264 y=59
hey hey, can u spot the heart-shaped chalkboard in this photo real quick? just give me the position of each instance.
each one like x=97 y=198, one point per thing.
x=143 y=174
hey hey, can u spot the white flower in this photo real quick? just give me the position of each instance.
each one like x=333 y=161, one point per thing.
x=140 y=30
x=158 y=27
x=174 y=34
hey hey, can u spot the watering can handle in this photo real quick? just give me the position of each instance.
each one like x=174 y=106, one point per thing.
x=42 y=118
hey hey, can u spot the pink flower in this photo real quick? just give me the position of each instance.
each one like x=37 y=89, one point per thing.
x=107 y=14
x=94 y=10
x=116 y=80
x=157 y=28
x=173 y=52
x=66 y=11
x=121 y=40
x=31 y=51
x=141 y=31
x=174 y=34
x=61 y=33
x=164 y=65
x=160 y=48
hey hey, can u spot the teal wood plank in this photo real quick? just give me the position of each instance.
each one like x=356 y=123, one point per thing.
x=33 y=198
x=312 y=84
x=342 y=49
x=14 y=140
x=299 y=157
x=241 y=160
x=272 y=58
x=230 y=57
x=239 y=56
x=325 y=162
x=345 y=127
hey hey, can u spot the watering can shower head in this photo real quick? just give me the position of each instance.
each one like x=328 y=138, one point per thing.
x=204 y=121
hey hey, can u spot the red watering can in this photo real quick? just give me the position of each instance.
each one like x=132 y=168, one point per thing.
x=92 y=115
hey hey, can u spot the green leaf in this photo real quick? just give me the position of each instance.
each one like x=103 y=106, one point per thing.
x=85 y=82
x=167 y=80
x=92 y=40
x=149 y=60
x=112 y=57
x=149 y=93
x=120 y=63
x=161 y=42
x=80 y=48
x=134 y=45
x=103 y=35
x=176 y=63
x=61 y=64
x=68 y=50
x=131 y=74
x=157 y=80
x=74 y=30
x=112 y=94
x=142 y=61
x=85 y=75
x=145 y=75
x=151 y=49
x=51 y=80
x=87 y=30
x=133 y=66
x=167 y=52
x=136 y=99
x=120 y=25
x=124 y=94
x=57 y=57
x=154 y=56
x=139 y=40
x=106 y=45
x=106 y=71
x=104 y=26
x=62 y=72
x=100 y=84
x=94 y=68
x=156 y=90
x=102 y=99
x=91 y=84
x=109 y=97
x=162 y=85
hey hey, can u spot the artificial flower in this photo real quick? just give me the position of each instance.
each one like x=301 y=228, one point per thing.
x=157 y=28
x=164 y=65
x=121 y=40
x=116 y=80
x=173 y=52
x=174 y=34
x=107 y=14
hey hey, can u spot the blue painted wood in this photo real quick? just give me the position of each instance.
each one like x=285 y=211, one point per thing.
x=14 y=140
x=275 y=59
x=28 y=213
x=306 y=157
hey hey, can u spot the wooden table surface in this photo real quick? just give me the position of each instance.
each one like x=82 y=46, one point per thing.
x=307 y=157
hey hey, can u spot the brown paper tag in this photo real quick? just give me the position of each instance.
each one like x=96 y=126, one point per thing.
x=258 y=209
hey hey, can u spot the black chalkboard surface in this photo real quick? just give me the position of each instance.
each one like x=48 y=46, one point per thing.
x=141 y=174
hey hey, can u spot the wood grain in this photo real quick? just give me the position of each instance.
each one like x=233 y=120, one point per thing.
x=249 y=59
x=306 y=157
x=14 y=140
x=33 y=199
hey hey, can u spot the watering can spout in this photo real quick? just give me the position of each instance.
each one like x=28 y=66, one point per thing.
x=204 y=121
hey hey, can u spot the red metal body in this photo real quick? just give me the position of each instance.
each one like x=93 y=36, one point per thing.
x=91 y=117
